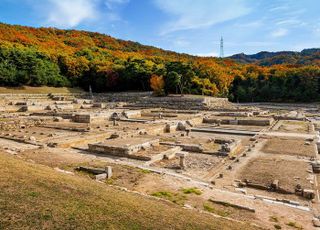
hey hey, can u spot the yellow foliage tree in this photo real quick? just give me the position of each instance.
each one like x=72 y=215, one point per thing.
x=157 y=84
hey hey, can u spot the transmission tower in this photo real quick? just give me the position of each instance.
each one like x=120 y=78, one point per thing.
x=221 y=48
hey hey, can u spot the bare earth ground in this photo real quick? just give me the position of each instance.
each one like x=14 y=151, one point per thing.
x=294 y=126
x=196 y=164
x=292 y=146
x=37 y=197
x=264 y=170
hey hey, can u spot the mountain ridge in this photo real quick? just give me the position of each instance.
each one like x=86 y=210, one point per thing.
x=267 y=58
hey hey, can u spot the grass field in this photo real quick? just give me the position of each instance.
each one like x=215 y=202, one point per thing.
x=37 y=197
x=38 y=90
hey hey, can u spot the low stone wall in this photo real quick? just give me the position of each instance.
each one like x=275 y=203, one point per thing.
x=31 y=108
x=146 y=100
x=64 y=115
x=91 y=118
x=185 y=147
x=135 y=99
x=63 y=107
x=9 y=108
x=236 y=114
x=167 y=154
x=120 y=97
x=122 y=150
x=189 y=102
x=265 y=122
x=253 y=122
x=132 y=113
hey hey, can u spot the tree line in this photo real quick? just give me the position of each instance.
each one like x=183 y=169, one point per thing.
x=53 y=57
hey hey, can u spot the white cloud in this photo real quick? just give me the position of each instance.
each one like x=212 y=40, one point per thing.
x=279 y=33
x=191 y=14
x=70 y=13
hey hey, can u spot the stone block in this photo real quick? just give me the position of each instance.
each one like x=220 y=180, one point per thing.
x=101 y=176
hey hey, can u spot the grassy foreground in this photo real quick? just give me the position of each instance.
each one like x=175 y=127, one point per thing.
x=38 y=90
x=37 y=197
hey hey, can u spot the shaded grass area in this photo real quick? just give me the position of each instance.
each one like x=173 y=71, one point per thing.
x=38 y=90
x=37 y=197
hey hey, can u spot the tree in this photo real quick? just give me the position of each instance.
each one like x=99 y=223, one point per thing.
x=241 y=94
x=157 y=84
x=8 y=74
x=172 y=82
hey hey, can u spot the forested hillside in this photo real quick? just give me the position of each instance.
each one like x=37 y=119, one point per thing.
x=264 y=58
x=54 y=57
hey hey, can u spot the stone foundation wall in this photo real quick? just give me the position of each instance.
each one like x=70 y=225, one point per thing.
x=189 y=102
x=253 y=122
x=124 y=150
x=266 y=122
x=91 y=118
x=134 y=99
x=133 y=113
x=121 y=96
x=31 y=108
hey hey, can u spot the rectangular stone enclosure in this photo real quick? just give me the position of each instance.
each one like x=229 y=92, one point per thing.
x=123 y=147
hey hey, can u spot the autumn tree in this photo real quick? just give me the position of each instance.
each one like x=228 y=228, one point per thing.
x=157 y=84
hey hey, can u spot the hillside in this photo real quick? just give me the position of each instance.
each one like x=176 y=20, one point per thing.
x=70 y=58
x=50 y=56
x=305 y=57
x=38 y=90
x=37 y=197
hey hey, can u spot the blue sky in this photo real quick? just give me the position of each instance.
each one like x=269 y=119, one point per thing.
x=189 y=26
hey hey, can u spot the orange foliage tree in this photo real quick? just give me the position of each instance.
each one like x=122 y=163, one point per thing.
x=157 y=84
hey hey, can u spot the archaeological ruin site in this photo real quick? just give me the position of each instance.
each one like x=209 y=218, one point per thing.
x=249 y=163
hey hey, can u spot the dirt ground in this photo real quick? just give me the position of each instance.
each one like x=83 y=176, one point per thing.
x=197 y=165
x=286 y=146
x=294 y=126
x=206 y=143
x=264 y=170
